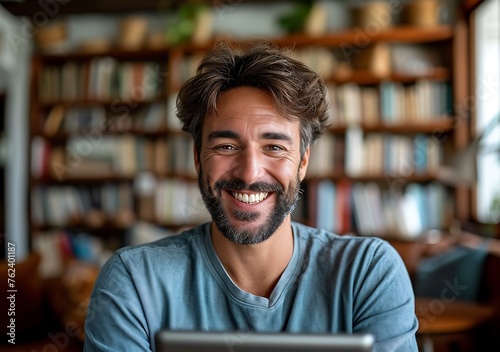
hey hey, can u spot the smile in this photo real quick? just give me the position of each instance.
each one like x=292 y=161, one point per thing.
x=250 y=198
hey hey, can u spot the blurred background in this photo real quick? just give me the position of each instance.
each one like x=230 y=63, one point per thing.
x=92 y=157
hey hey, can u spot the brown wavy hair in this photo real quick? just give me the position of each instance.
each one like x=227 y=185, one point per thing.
x=298 y=92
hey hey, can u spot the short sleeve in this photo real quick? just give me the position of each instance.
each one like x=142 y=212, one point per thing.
x=385 y=301
x=115 y=318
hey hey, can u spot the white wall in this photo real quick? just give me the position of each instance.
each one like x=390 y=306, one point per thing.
x=15 y=54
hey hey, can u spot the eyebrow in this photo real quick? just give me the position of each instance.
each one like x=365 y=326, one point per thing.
x=223 y=134
x=234 y=135
x=277 y=136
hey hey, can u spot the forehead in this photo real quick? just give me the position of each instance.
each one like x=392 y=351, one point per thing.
x=247 y=107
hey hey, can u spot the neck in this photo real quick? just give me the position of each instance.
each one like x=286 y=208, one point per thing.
x=255 y=269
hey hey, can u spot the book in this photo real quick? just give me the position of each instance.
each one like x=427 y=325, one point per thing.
x=316 y=21
x=360 y=210
x=38 y=209
x=413 y=59
x=54 y=120
x=203 y=27
x=48 y=245
x=354 y=151
x=322 y=161
x=370 y=109
x=326 y=199
x=40 y=155
x=374 y=58
x=344 y=207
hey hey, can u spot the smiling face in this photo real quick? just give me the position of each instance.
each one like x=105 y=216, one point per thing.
x=249 y=167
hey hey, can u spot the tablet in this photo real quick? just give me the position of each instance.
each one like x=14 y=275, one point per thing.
x=197 y=341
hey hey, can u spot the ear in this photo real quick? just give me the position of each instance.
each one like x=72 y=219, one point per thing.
x=303 y=164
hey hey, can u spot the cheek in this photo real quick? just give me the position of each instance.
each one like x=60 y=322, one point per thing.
x=212 y=170
x=285 y=173
x=283 y=170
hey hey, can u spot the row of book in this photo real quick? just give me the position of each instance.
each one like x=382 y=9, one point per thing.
x=358 y=153
x=173 y=202
x=154 y=117
x=107 y=78
x=378 y=210
x=350 y=103
x=58 y=246
x=186 y=69
x=322 y=60
x=364 y=208
x=92 y=206
x=100 y=156
x=379 y=59
x=103 y=78
x=389 y=103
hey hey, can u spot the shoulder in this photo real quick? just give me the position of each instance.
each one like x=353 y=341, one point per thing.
x=359 y=249
x=308 y=234
x=169 y=249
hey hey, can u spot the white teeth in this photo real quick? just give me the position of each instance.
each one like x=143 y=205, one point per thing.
x=250 y=199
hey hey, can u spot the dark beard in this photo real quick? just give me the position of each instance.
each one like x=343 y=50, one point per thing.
x=285 y=204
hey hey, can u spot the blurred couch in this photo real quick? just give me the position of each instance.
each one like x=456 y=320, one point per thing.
x=49 y=312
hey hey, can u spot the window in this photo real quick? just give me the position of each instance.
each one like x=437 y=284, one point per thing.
x=487 y=85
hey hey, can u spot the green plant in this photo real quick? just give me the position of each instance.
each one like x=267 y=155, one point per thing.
x=182 y=27
x=295 y=20
x=495 y=209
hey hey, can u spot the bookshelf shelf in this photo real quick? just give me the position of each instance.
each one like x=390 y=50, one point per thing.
x=88 y=180
x=110 y=179
x=122 y=55
x=369 y=78
x=62 y=137
x=112 y=102
x=399 y=34
x=378 y=178
x=435 y=125
x=105 y=227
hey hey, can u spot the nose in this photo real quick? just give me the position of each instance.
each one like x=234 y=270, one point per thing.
x=249 y=166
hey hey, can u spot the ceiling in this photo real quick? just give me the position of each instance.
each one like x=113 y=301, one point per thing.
x=54 y=8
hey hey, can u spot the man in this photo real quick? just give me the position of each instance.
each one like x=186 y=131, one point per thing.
x=253 y=117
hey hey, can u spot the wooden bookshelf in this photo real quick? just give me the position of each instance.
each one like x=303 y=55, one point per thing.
x=174 y=173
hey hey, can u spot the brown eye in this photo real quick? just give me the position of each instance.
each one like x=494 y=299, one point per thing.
x=226 y=147
x=275 y=148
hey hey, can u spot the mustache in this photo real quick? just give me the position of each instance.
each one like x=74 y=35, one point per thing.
x=239 y=185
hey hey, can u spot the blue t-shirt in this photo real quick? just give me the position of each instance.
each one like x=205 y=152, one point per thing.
x=331 y=284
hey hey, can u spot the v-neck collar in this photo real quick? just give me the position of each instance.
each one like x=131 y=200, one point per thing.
x=243 y=296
